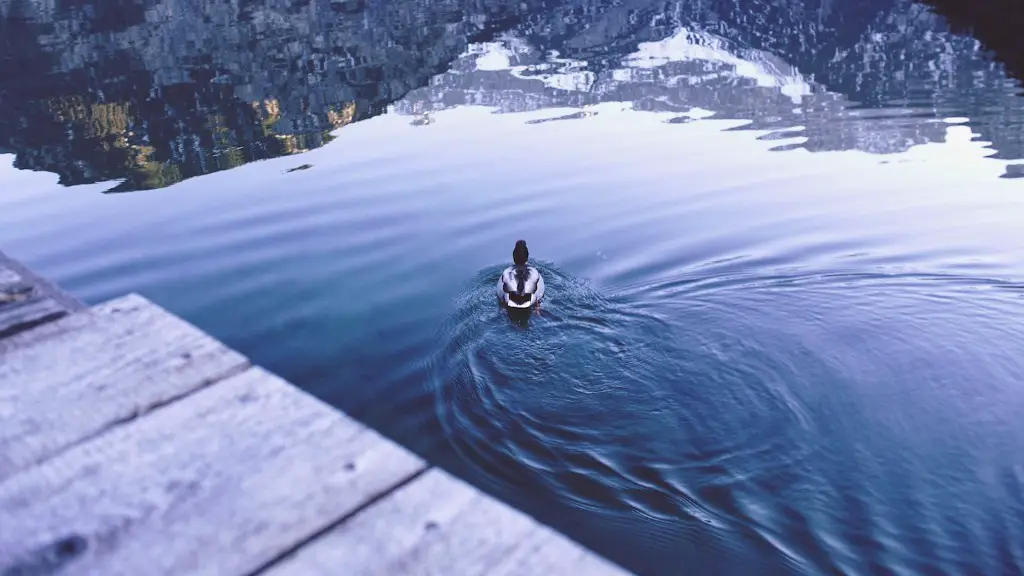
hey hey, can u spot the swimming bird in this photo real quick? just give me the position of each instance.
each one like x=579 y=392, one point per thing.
x=520 y=285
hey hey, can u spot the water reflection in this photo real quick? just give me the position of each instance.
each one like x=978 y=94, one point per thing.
x=150 y=93
x=693 y=73
x=156 y=92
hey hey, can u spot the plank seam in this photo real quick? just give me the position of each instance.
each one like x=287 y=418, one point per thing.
x=144 y=411
x=26 y=326
x=344 y=518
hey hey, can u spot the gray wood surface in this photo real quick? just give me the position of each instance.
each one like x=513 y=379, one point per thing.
x=545 y=551
x=231 y=471
x=23 y=305
x=439 y=525
x=220 y=482
x=47 y=288
x=97 y=368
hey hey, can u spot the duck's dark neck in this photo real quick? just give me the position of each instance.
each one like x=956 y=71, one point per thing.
x=522 y=272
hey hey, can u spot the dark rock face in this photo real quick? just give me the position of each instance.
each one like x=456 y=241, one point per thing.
x=996 y=23
x=150 y=92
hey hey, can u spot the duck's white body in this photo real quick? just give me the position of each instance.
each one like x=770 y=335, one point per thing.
x=520 y=286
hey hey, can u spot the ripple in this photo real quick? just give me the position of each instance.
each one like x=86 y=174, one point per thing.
x=685 y=415
x=609 y=407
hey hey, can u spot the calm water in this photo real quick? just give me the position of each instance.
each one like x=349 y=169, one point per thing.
x=782 y=243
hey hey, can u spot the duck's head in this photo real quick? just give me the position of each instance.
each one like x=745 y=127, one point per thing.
x=520 y=254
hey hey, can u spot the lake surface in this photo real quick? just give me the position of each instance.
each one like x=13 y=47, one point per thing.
x=784 y=331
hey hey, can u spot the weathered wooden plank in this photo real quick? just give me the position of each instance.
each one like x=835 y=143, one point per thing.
x=97 y=368
x=27 y=311
x=45 y=287
x=22 y=305
x=228 y=479
x=220 y=482
x=8 y=276
x=46 y=330
x=545 y=551
x=439 y=525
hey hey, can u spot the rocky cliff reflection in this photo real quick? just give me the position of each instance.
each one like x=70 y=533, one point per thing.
x=151 y=92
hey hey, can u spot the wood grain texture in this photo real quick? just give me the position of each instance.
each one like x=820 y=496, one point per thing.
x=23 y=305
x=45 y=287
x=41 y=332
x=8 y=276
x=439 y=525
x=218 y=483
x=545 y=551
x=227 y=478
x=97 y=368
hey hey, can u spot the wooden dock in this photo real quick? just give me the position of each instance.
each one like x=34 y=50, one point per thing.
x=133 y=443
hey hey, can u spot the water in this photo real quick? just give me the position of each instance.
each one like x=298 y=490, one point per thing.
x=781 y=242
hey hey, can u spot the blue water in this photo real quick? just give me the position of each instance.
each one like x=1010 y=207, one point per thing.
x=784 y=331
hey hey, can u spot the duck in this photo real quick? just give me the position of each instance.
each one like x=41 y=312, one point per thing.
x=521 y=285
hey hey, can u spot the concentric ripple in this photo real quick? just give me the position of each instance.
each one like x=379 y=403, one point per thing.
x=611 y=407
x=665 y=400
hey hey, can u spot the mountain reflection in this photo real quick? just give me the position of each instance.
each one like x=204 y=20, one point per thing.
x=151 y=92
